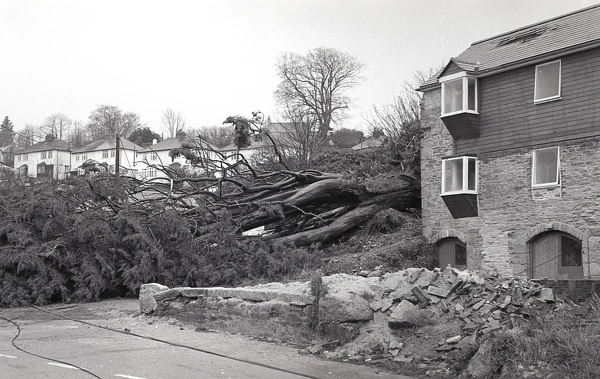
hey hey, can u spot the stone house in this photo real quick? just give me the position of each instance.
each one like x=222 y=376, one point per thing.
x=511 y=152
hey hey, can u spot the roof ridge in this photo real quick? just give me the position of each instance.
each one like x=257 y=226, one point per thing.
x=536 y=24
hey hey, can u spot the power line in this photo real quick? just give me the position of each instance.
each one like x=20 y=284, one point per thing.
x=42 y=356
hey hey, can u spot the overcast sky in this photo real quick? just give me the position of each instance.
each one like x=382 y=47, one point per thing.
x=210 y=59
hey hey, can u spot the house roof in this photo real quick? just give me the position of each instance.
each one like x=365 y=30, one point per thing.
x=369 y=143
x=55 y=144
x=107 y=143
x=575 y=31
x=175 y=143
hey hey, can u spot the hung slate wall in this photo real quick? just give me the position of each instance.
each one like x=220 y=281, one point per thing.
x=511 y=213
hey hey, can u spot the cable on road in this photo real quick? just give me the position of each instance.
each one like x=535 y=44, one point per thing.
x=41 y=356
x=177 y=344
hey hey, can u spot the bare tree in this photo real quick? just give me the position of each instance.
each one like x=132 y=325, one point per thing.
x=57 y=125
x=27 y=136
x=298 y=137
x=172 y=121
x=400 y=122
x=78 y=135
x=315 y=84
x=216 y=135
x=108 y=119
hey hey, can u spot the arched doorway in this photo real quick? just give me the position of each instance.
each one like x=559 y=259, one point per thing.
x=453 y=252
x=556 y=255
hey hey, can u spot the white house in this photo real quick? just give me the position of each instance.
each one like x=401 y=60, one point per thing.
x=48 y=159
x=104 y=152
x=157 y=155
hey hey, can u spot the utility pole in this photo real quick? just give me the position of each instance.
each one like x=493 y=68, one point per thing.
x=117 y=154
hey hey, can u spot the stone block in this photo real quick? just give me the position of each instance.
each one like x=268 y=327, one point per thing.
x=147 y=291
x=437 y=291
x=403 y=315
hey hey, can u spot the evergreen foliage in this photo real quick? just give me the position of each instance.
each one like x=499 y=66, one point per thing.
x=6 y=132
x=73 y=243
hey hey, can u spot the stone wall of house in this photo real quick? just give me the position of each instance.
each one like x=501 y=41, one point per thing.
x=575 y=290
x=511 y=213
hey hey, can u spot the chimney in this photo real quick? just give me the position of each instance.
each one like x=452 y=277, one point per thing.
x=180 y=134
x=49 y=137
x=154 y=141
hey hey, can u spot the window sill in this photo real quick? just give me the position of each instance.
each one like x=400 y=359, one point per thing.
x=459 y=193
x=543 y=186
x=547 y=100
x=459 y=112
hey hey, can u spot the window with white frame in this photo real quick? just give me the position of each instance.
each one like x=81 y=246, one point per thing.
x=43 y=155
x=50 y=154
x=546 y=167
x=153 y=157
x=112 y=153
x=104 y=154
x=547 y=81
x=459 y=175
x=459 y=94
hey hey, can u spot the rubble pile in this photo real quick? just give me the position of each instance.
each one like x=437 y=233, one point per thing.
x=437 y=317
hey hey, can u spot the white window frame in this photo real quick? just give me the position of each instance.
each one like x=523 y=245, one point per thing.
x=153 y=157
x=533 y=169
x=553 y=97
x=465 y=178
x=43 y=155
x=49 y=154
x=465 y=94
x=104 y=154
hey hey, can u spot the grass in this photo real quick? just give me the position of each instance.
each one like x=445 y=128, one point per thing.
x=557 y=342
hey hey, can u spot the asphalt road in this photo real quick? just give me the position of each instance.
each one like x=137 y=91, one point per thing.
x=111 y=340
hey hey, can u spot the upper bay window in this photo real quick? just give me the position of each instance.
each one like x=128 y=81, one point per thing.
x=459 y=94
x=547 y=81
x=546 y=167
x=459 y=175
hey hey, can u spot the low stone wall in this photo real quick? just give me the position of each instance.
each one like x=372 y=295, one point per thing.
x=268 y=314
x=575 y=290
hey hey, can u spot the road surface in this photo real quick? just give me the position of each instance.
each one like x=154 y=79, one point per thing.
x=111 y=339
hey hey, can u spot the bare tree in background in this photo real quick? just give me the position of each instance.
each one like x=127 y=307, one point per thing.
x=172 y=121
x=315 y=84
x=400 y=122
x=28 y=136
x=216 y=135
x=298 y=137
x=78 y=135
x=57 y=125
x=109 y=119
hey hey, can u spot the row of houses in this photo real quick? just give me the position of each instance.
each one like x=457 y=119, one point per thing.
x=56 y=159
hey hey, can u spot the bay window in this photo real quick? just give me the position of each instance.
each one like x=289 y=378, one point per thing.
x=459 y=175
x=459 y=94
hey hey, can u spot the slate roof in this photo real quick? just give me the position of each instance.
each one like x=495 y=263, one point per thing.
x=575 y=31
x=55 y=144
x=107 y=143
x=369 y=143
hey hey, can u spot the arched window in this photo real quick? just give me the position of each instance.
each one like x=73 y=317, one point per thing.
x=556 y=255
x=453 y=252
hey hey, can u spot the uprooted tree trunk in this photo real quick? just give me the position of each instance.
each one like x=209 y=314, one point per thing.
x=298 y=207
